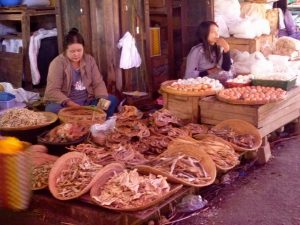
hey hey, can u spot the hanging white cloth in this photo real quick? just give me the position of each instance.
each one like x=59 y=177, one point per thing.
x=34 y=46
x=12 y=45
x=130 y=56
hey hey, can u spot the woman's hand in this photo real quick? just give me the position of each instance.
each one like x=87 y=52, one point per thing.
x=222 y=43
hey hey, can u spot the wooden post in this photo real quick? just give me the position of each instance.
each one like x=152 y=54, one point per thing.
x=264 y=152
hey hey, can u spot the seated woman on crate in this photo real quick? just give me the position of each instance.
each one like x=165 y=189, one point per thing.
x=210 y=56
x=287 y=25
x=74 y=78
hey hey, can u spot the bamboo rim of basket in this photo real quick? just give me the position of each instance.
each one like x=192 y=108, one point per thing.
x=243 y=102
x=56 y=170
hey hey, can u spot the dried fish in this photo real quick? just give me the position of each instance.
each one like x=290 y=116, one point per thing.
x=130 y=189
x=40 y=176
x=76 y=175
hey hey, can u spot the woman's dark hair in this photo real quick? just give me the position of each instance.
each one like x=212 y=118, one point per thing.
x=282 y=4
x=73 y=37
x=202 y=33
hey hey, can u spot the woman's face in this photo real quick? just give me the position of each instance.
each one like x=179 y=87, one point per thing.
x=74 y=52
x=213 y=35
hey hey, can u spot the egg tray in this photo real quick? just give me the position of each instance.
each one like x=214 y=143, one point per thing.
x=285 y=85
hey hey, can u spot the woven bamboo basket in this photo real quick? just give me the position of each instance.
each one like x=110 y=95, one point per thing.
x=108 y=174
x=243 y=102
x=85 y=115
x=59 y=165
x=205 y=146
x=51 y=118
x=189 y=147
x=242 y=127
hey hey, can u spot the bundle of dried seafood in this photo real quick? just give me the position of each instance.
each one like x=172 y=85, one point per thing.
x=164 y=117
x=133 y=129
x=183 y=167
x=228 y=134
x=116 y=138
x=157 y=144
x=131 y=190
x=222 y=154
x=177 y=132
x=160 y=130
x=40 y=175
x=129 y=113
x=98 y=155
x=194 y=129
x=21 y=118
x=75 y=176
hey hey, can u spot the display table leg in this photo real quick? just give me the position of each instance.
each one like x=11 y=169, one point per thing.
x=264 y=152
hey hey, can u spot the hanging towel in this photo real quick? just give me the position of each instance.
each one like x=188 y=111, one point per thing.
x=12 y=45
x=130 y=56
x=34 y=46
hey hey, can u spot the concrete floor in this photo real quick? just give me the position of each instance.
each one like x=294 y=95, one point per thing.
x=268 y=195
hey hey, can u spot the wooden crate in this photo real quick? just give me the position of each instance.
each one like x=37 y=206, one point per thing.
x=266 y=118
x=250 y=45
x=184 y=107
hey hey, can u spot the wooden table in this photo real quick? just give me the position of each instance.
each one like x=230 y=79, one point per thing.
x=267 y=118
x=45 y=209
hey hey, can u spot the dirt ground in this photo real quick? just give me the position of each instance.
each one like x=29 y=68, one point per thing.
x=268 y=195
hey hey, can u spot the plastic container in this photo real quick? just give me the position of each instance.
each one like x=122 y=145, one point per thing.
x=285 y=85
x=10 y=2
x=7 y=100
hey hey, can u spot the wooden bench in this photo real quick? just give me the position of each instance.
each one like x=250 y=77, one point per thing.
x=267 y=118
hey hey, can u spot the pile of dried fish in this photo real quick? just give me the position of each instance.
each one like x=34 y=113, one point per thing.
x=228 y=134
x=131 y=190
x=164 y=117
x=129 y=113
x=222 y=154
x=75 y=176
x=132 y=129
x=156 y=144
x=127 y=154
x=97 y=155
x=40 y=175
x=183 y=167
x=21 y=118
x=65 y=133
x=194 y=129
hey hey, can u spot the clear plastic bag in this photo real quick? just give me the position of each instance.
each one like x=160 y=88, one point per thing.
x=191 y=203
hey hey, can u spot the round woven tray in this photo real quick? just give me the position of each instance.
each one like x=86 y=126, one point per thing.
x=166 y=88
x=242 y=127
x=82 y=114
x=108 y=173
x=51 y=118
x=190 y=149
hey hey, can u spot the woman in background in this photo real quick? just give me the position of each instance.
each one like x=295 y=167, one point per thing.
x=287 y=25
x=210 y=55
x=74 y=78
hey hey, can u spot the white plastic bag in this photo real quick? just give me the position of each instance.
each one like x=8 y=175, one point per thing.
x=223 y=29
x=229 y=9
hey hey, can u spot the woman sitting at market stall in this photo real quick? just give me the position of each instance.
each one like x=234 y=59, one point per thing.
x=287 y=25
x=74 y=78
x=211 y=55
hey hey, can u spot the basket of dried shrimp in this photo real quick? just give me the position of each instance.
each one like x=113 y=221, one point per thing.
x=221 y=152
x=241 y=135
x=184 y=162
x=72 y=175
x=130 y=190
x=86 y=115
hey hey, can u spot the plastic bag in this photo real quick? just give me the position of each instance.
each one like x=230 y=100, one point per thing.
x=254 y=10
x=262 y=66
x=99 y=131
x=191 y=203
x=229 y=13
x=223 y=29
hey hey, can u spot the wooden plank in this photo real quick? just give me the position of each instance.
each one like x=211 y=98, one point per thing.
x=11 y=68
x=213 y=104
x=209 y=121
x=219 y=115
x=283 y=120
x=269 y=107
x=13 y=17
